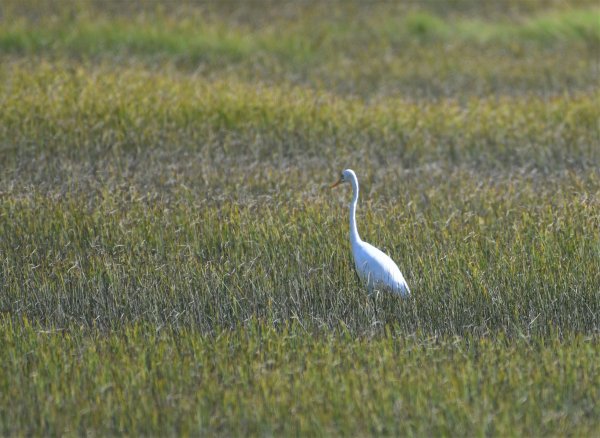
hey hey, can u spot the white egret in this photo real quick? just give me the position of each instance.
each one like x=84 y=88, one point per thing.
x=374 y=267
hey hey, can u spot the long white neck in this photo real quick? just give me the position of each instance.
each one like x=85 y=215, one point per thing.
x=354 y=237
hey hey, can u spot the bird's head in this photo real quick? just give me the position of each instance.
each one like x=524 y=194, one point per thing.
x=346 y=176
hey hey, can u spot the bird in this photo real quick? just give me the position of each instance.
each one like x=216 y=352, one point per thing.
x=375 y=268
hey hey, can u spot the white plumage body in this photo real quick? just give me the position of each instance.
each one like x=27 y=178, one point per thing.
x=375 y=268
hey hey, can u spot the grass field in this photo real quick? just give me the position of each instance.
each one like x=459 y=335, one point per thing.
x=173 y=262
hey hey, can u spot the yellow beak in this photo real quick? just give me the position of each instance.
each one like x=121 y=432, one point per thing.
x=337 y=183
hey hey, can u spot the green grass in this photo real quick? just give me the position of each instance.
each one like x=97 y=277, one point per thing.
x=172 y=261
x=196 y=38
x=82 y=110
x=389 y=50
x=263 y=381
x=512 y=254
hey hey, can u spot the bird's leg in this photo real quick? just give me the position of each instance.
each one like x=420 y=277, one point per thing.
x=373 y=295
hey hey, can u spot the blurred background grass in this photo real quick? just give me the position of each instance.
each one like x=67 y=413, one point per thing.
x=172 y=262
x=416 y=49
